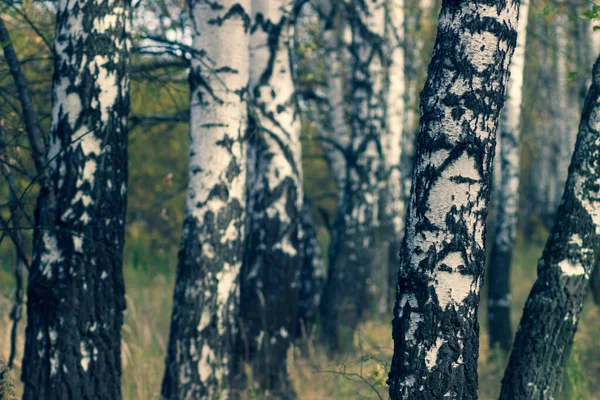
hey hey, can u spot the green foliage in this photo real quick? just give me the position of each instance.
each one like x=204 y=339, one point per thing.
x=549 y=10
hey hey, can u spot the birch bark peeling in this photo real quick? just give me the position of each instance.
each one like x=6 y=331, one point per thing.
x=507 y=197
x=435 y=327
x=552 y=311
x=76 y=290
x=272 y=261
x=202 y=343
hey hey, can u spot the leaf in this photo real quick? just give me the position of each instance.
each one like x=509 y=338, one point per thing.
x=5 y=44
x=596 y=28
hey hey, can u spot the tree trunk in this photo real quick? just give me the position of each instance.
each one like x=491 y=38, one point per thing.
x=76 y=290
x=202 y=342
x=393 y=199
x=354 y=233
x=272 y=261
x=507 y=197
x=435 y=327
x=595 y=279
x=312 y=276
x=564 y=138
x=552 y=311
x=338 y=128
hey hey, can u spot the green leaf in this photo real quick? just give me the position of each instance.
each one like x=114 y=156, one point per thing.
x=5 y=44
x=596 y=28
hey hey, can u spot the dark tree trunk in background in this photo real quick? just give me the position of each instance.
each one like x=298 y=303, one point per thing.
x=270 y=281
x=507 y=197
x=75 y=296
x=203 y=339
x=354 y=232
x=552 y=311
x=595 y=283
x=435 y=329
x=312 y=276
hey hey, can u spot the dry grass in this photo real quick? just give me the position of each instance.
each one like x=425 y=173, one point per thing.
x=360 y=375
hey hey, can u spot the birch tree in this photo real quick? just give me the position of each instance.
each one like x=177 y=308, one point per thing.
x=507 y=197
x=272 y=260
x=202 y=343
x=549 y=322
x=354 y=236
x=564 y=139
x=392 y=197
x=75 y=295
x=435 y=327
x=595 y=279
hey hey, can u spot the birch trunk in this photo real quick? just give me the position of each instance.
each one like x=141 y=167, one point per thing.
x=393 y=199
x=552 y=311
x=595 y=279
x=203 y=336
x=435 y=327
x=272 y=262
x=357 y=220
x=338 y=129
x=507 y=200
x=564 y=140
x=75 y=294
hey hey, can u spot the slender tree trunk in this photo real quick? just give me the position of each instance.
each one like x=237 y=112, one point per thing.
x=312 y=276
x=203 y=338
x=595 y=279
x=435 y=327
x=355 y=236
x=75 y=296
x=552 y=311
x=338 y=129
x=507 y=200
x=539 y=147
x=272 y=262
x=564 y=138
x=392 y=196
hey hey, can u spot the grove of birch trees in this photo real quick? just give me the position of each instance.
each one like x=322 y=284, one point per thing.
x=299 y=199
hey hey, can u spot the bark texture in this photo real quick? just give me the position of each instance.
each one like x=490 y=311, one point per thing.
x=435 y=327
x=202 y=343
x=75 y=295
x=506 y=194
x=354 y=232
x=595 y=279
x=552 y=311
x=272 y=260
x=392 y=203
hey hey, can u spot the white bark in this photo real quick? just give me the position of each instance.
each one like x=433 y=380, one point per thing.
x=272 y=261
x=435 y=325
x=205 y=311
x=506 y=195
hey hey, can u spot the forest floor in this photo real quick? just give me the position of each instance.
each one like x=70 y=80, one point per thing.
x=359 y=375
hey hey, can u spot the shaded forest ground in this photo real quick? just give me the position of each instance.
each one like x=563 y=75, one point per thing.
x=360 y=375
